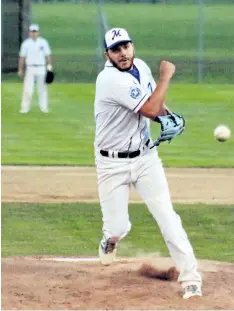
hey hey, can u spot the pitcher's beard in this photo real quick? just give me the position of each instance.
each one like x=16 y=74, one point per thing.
x=120 y=69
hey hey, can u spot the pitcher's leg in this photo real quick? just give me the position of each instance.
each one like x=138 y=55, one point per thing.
x=113 y=195
x=153 y=188
x=29 y=81
x=42 y=93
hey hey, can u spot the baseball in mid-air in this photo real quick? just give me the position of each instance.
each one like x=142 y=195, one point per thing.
x=222 y=133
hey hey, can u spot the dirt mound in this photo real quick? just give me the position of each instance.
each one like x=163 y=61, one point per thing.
x=40 y=283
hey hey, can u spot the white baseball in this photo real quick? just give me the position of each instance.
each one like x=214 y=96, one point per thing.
x=222 y=133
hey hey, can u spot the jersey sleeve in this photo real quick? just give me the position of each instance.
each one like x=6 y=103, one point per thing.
x=47 y=48
x=23 y=50
x=130 y=95
x=152 y=81
x=153 y=84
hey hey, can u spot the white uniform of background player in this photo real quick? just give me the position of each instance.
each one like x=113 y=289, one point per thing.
x=35 y=55
x=123 y=157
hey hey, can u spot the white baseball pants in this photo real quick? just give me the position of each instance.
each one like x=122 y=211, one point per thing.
x=34 y=75
x=147 y=175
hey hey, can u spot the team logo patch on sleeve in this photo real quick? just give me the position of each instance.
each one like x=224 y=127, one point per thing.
x=135 y=92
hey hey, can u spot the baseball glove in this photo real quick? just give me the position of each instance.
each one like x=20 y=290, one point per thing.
x=172 y=125
x=49 y=77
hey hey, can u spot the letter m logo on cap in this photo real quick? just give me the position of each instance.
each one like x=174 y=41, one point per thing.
x=116 y=33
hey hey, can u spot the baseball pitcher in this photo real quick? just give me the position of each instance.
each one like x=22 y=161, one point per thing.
x=35 y=56
x=126 y=99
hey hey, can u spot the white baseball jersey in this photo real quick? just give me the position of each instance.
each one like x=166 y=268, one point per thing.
x=119 y=96
x=35 y=51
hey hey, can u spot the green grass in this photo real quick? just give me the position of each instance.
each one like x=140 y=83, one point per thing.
x=171 y=32
x=65 y=136
x=162 y=31
x=75 y=229
x=172 y=29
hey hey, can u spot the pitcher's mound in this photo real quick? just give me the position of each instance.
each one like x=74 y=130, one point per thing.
x=84 y=284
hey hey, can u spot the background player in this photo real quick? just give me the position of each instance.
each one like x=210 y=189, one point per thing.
x=126 y=99
x=35 y=55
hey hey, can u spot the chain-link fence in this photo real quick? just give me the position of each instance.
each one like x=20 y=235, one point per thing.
x=198 y=36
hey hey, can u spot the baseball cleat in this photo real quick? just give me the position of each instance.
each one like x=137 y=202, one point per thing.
x=191 y=291
x=107 y=251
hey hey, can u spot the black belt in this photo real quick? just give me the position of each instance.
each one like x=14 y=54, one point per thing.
x=123 y=155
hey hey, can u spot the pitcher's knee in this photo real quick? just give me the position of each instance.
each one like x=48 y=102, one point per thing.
x=171 y=227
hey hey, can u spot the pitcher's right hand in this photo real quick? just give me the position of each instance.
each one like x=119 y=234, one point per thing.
x=167 y=70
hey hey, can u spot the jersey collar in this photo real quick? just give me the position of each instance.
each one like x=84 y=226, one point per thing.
x=108 y=64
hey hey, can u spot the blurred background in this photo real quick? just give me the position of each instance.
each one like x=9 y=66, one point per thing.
x=198 y=36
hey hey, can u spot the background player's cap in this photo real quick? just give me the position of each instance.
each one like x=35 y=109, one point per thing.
x=34 y=27
x=115 y=36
